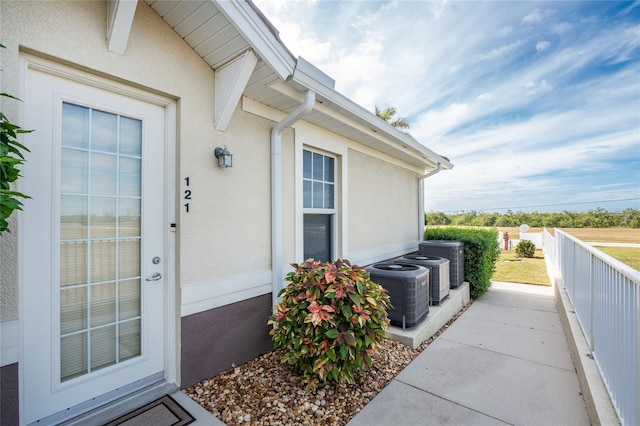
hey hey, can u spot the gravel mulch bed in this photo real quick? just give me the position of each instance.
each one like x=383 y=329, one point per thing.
x=265 y=392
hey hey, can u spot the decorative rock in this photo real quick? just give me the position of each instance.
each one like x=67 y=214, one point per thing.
x=265 y=391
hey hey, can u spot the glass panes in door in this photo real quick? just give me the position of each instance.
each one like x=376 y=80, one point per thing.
x=100 y=237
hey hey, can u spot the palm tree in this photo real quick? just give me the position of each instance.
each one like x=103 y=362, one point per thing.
x=387 y=115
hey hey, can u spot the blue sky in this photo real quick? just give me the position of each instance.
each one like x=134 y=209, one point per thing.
x=536 y=103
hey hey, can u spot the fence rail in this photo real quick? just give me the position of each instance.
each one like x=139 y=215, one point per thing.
x=605 y=294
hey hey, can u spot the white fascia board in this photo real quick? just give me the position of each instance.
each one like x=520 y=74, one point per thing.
x=254 y=30
x=231 y=81
x=120 y=18
x=347 y=107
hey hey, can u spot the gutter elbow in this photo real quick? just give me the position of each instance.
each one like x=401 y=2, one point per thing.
x=432 y=172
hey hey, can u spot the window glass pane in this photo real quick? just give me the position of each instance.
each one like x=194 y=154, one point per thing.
x=129 y=299
x=73 y=359
x=317 y=166
x=73 y=217
x=306 y=193
x=103 y=217
x=129 y=339
x=103 y=304
x=130 y=169
x=129 y=256
x=328 y=195
x=103 y=261
x=104 y=131
x=328 y=169
x=103 y=347
x=73 y=311
x=318 y=195
x=130 y=136
x=103 y=174
x=317 y=237
x=306 y=160
x=129 y=217
x=75 y=126
x=73 y=262
x=74 y=171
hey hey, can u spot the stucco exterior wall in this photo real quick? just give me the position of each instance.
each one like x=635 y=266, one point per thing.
x=383 y=204
x=227 y=228
x=9 y=272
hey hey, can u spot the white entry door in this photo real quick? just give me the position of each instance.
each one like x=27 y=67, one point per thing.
x=93 y=244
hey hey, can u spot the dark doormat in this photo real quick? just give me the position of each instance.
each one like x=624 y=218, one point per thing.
x=161 y=412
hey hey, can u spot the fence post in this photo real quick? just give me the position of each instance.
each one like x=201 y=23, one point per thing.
x=592 y=343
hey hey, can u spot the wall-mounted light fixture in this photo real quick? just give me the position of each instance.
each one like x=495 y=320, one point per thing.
x=225 y=158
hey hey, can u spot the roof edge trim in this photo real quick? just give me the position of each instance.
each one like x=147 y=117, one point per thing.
x=346 y=106
x=253 y=28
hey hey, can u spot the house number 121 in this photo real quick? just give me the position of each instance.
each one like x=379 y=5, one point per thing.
x=187 y=194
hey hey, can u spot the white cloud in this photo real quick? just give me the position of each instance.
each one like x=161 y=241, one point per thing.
x=438 y=8
x=542 y=45
x=562 y=27
x=506 y=30
x=497 y=52
x=436 y=123
x=536 y=16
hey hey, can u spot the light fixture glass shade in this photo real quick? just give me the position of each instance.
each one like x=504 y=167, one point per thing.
x=225 y=158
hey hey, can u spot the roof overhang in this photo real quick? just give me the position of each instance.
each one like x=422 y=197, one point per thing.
x=223 y=31
x=374 y=130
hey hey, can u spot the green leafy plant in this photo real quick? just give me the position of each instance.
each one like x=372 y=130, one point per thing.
x=331 y=318
x=11 y=158
x=525 y=248
x=481 y=252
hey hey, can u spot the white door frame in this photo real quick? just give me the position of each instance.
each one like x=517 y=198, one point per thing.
x=171 y=314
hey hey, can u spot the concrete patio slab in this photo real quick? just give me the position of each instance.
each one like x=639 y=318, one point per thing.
x=438 y=316
x=529 y=289
x=543 y=320
x=202 y=417
x=401 y=404
x=517 y=299
x=518 y=341
x=513 y=390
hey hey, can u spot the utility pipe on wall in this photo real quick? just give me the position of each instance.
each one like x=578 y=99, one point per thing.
x=277 y=275
x=421 y=180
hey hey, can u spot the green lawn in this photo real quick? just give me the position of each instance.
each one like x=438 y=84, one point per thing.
x=627 y=255
x=514 y=269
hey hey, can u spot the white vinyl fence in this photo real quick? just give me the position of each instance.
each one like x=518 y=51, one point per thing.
x=605 y=294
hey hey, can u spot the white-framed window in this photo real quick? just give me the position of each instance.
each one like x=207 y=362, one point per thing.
x=319 y=205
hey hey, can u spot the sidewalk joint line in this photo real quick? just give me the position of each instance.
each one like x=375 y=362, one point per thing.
x=482 y=348
x=516 y=325
x=453 y=402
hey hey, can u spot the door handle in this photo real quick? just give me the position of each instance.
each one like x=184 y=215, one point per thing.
x=155 y=277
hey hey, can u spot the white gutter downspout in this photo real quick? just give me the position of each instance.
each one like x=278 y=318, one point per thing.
x=421 y=180
x=277 y=275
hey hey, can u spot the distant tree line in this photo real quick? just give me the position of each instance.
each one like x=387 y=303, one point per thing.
x=598 y=218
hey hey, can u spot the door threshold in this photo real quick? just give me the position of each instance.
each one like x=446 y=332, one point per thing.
x=112 y=405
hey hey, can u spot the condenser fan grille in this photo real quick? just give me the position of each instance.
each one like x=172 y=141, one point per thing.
x=398 y=267
x=421 y=257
